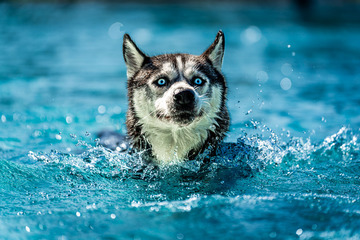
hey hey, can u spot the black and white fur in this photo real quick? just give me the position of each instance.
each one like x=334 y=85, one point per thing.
x=181 y=118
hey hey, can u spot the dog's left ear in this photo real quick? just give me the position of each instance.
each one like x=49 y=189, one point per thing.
x=215 y=52
x=133 y=56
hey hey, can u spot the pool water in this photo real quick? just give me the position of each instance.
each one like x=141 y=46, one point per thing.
x=294 y=82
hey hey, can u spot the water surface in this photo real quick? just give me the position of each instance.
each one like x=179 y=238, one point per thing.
x=294 y=103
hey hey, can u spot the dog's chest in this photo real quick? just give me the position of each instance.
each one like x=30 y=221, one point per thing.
x=169 y=144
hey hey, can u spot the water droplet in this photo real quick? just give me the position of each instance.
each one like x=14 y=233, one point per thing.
x=37 y=133
x=285 y=84
x=3 y=118
x=180 y=236
x=116 y=110
x=101 y=109
x=299 y=232
x=135 y=204
x=262 y=76
x=115 y=30
x=69 y=119
x=248 y=112
x=251 y=35
x=272 y=235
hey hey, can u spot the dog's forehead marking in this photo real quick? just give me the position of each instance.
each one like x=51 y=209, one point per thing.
x=169 y=70
x=189 y=68
x=180 y=64
x=167 y=67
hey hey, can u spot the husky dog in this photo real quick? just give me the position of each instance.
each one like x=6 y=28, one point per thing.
x=176 y=101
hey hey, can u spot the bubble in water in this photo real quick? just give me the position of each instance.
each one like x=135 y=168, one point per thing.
x=262 y=76
x=102 y=118
x=58 y=137
x=37 y=133
x=299 y=232
x=69 y=119
x=287 y=69
x=251 y=35
x=27 y=229
x=117 y=110
x=180 y=236
x=101 y=109
x=3 y=118
x=113 y=216
x=272 y=235
x=285 y=84
x=115 y=30
x=78 y=214
x=288 y=46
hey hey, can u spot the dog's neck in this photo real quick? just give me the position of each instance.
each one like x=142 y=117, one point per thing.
x=172 y=142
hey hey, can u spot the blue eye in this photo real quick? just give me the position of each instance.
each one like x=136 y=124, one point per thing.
x=161 y=82
x=198 y=81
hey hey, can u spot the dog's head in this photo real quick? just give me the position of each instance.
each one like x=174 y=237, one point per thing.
x=175 y=89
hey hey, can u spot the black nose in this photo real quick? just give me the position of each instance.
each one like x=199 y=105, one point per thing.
x=185 y=97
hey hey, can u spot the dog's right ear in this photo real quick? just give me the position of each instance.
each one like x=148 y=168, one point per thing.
x=134 y=57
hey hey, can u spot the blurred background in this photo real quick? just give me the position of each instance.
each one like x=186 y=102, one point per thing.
x=291 y=65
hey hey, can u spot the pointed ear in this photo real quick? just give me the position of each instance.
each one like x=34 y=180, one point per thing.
x=133 y=56
x=215 y=52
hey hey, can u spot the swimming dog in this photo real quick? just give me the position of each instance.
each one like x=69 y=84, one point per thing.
x=177 y=102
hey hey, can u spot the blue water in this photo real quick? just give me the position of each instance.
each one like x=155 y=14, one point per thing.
x=294 y=83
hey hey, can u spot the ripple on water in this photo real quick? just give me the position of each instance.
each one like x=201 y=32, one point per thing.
x=254 y=178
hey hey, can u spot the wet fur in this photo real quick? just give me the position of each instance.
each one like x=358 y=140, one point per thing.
x=167 y=140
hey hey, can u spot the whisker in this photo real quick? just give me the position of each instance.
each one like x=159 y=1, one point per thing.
x=149 y=114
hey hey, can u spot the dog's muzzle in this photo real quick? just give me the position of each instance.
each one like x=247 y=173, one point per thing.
x=184 y=100
x=184 y=105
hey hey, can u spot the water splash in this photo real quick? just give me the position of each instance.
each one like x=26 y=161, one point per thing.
x=249 y=155
x=254 y=172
